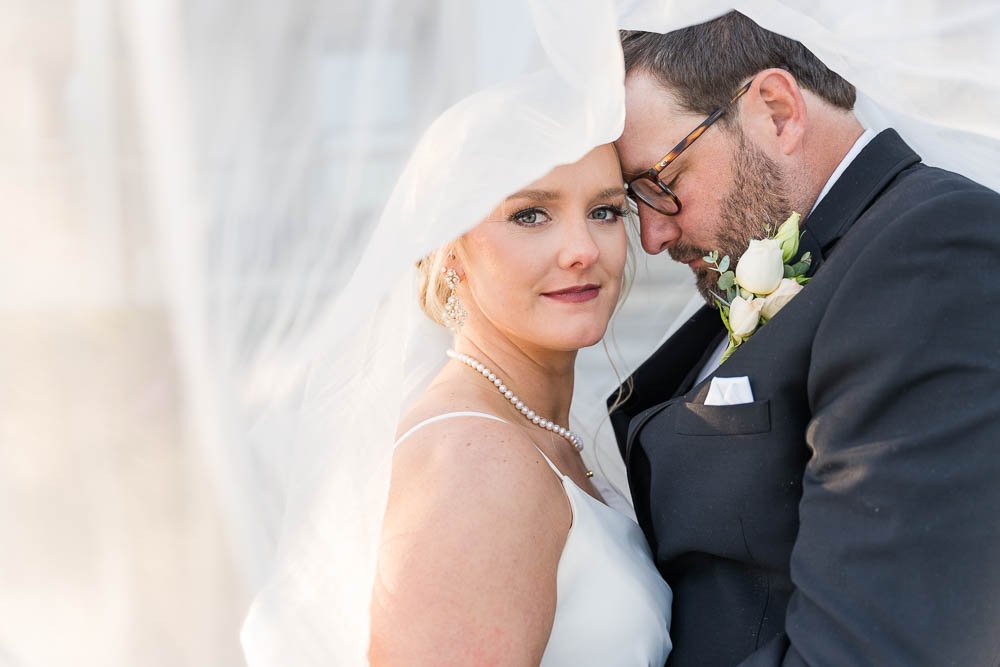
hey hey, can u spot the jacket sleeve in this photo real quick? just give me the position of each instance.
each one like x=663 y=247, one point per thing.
x=897 y=559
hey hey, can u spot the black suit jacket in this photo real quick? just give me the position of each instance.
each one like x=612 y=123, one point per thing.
x=850 y=515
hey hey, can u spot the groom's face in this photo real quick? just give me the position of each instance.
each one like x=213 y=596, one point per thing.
x=728 y=188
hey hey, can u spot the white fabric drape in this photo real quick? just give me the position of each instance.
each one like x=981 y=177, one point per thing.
x=212 y=212
x=378 y=350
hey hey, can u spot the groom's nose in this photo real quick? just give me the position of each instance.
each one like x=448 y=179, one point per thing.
x=657 y=232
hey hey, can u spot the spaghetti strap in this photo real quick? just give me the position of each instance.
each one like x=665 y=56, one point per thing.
x=447 y=415
x=485 y=415
x=551 y=464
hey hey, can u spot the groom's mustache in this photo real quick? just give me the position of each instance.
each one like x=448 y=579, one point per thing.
x=685 y=253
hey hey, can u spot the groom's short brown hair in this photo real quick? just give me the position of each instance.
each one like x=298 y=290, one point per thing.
x=704 y=64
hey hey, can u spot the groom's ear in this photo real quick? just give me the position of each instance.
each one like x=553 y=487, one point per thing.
x=776 y=113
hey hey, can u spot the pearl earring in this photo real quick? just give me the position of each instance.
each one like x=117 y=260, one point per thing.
x=454 y=311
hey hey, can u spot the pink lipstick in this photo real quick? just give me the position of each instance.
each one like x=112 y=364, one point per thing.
x=575 y=294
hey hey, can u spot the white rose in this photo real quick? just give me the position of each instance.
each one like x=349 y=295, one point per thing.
x=777 y=299
x=760 y=269
x=744 y=316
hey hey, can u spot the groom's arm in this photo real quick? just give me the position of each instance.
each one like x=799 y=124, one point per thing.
x=897 y=560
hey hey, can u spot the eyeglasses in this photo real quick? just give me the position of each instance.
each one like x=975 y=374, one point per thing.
x=650 y=190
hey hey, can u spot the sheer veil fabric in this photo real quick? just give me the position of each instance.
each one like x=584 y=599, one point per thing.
x=374 y=347
x=535 y=84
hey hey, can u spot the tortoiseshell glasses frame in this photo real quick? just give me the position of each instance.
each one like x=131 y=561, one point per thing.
x=649 y=189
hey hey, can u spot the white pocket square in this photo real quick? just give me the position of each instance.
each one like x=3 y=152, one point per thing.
x=729 y=391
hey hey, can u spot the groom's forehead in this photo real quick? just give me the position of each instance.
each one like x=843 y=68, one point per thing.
x=654 y=123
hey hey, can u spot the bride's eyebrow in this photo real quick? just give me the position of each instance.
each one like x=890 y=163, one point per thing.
x=535 y=195
x=610 y=193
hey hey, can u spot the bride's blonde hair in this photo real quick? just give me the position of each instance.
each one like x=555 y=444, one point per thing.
x=432 y=289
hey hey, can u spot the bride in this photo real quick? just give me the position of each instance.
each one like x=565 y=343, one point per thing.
x=477 y=539
x=496 y=548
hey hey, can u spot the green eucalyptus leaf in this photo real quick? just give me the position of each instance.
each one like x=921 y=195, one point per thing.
x=789 y=271
x=724 y=264
x=727 y=280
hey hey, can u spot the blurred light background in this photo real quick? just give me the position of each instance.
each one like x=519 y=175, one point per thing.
x=112 y=543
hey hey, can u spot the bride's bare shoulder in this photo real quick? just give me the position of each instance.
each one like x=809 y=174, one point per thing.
x=469 y=439
x=476 y=446
x=460 y=487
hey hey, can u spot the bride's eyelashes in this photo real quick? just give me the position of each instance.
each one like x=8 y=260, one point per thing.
x=614 y=212
x=535 y=216
x=529 y=217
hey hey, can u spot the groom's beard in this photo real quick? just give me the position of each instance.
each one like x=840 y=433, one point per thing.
x=755 y=201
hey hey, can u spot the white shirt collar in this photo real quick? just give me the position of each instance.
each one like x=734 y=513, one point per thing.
x=861 y=142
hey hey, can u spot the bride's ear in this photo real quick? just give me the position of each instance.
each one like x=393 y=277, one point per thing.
x=454 y=259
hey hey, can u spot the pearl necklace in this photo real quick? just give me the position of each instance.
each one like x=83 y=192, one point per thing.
x=528 y=413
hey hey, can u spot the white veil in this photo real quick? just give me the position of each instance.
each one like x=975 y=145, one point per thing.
x=374 y=347
x=557 y=93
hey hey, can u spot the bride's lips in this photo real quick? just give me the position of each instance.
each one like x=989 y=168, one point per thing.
x=575 y=294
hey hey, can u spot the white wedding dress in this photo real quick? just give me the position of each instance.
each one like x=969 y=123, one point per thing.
x=612 y=606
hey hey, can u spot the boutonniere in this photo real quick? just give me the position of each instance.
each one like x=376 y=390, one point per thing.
x=761 y=284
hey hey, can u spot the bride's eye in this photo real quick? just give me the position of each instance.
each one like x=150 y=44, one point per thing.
x=608 y=213
x=529 y=217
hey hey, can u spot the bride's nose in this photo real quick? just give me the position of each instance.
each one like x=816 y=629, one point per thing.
x=578 y=248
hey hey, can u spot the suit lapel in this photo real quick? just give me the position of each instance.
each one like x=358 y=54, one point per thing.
x=667 y=372
x=689 y=381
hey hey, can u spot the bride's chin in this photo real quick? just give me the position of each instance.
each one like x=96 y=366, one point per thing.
x=588 y=339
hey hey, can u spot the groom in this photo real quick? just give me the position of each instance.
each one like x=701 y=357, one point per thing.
x=848 y=511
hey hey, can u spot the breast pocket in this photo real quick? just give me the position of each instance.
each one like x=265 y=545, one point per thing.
x=743 y=419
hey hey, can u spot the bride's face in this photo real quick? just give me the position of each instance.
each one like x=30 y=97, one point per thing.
x=545 y=267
